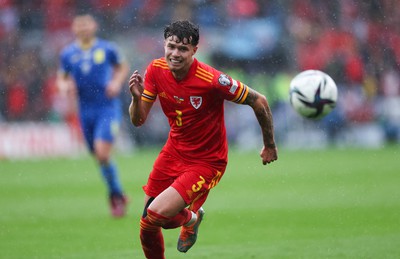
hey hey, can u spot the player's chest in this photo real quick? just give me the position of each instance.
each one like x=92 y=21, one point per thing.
x=186 y=96
x=86 y=61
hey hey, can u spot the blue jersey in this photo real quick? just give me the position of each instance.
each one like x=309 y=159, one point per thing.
x=92 y=70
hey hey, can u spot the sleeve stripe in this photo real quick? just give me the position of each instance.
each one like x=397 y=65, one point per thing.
x=203 y=74
x=204 y=78
x=160 y=63
x=242 y=94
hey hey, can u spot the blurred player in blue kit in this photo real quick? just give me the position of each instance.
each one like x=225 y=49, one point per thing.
x=94 y=69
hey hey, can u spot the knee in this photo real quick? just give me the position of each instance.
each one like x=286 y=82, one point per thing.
x=156 y=219
x=102 y=158
x=102 y=152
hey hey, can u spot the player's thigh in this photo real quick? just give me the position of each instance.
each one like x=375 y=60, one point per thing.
x=168 y=203
x=88 y=131
x=105 y=133
x=196 y=182
x=166 y=169
x=107 y=127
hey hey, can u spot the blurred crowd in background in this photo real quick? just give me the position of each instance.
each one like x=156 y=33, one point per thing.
x=263 y=43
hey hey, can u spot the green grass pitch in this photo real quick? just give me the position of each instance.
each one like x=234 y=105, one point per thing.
x=338 y=203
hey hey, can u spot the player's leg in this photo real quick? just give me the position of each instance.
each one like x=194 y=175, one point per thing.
x=169 y=209
x=168 y=202
x=151 y=237
x=166 y=211
x=194 y=187
x=105 y=133
x=109 y=170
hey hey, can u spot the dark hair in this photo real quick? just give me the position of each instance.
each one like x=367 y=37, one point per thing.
x=183 y=30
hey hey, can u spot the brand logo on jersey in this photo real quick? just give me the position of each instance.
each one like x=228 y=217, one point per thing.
x=224 y=80
x=196 y=101
x=163 y=95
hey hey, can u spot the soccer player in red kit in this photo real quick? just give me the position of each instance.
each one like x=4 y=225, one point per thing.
x=194 y=158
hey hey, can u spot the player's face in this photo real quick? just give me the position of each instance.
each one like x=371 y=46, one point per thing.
x=84 y=27
x=179 y=55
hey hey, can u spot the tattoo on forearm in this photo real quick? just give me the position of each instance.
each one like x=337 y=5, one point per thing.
x=264 y=117
x=251 y=97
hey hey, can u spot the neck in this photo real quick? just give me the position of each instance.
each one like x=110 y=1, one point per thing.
x=179 y=75
x=86 y=43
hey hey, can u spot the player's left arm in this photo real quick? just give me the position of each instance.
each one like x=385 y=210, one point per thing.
x=259 y=103
x=120 y=74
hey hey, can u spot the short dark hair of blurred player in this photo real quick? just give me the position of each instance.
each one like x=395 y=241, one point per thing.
x=95 y=70
x=194 y=158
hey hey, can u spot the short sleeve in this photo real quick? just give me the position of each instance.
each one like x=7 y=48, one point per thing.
x=114 y=54
x=150 y=90
x=65 y=67
x=231 y=89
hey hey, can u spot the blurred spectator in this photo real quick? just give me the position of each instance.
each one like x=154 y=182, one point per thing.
x=16 y=99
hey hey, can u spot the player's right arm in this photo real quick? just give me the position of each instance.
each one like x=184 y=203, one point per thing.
x=138 y=109
x=65 y=83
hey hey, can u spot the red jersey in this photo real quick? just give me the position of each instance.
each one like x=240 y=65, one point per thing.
x=195 y=109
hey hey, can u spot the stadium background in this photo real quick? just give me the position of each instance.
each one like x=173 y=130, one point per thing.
x=339 y=202
x=262 y=43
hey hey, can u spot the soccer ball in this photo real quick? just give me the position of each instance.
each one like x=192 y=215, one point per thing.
x=313 y=94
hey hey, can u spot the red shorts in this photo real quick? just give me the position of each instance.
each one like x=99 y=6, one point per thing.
x=192 y=181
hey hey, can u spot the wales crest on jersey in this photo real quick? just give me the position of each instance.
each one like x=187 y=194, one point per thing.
x=196 y=101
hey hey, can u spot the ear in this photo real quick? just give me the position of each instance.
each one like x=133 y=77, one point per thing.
x=195 y=50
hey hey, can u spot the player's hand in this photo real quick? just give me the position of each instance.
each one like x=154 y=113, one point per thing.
x=136 y=85
x=268 y=154
x=66 y=87
x=113 y=89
